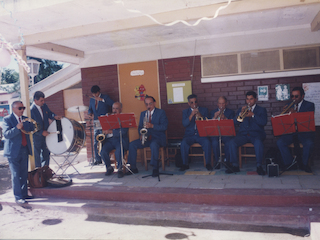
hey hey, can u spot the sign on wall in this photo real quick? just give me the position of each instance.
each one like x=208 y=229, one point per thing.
x=178 y=92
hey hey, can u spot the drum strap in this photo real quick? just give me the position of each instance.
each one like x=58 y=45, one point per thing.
x=59 y=128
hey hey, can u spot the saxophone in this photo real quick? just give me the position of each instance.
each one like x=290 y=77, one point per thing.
x=144 y=130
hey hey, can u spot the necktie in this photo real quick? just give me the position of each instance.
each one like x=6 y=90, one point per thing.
x=149 y=117
x=96 y=104
x=296 y=107
x=24 y=139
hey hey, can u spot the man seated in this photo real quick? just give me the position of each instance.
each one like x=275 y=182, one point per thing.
x=155 y=121
x=191 y=135
x=221 y=113
x=305 y=138
x=252 y=119
x=112 y=141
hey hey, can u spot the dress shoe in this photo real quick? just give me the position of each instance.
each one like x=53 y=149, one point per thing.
x=184 y=167
x=217 y=166
x=97 y=163
x=133 y=170
x=260 y=171
x=232 y=169
x=109 y=171
x=120 y=174
x=29 y=197
x=21 y=202
x=209 y=167
x=155 y=172
x=307 y=169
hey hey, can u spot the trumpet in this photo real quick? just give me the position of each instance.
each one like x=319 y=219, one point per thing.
x=144 y=130
x=33 y=122
x=241 y=117
x=100 y=138
x=221 y=113
x=287 y=108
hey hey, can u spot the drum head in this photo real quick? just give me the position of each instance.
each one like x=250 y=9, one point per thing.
x=67 y=137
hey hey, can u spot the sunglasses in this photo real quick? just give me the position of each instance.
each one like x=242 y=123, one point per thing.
x=193 y=102
x=295 y=96
x=21 y=108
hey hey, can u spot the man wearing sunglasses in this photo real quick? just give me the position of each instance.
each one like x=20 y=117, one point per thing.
x=41 y=113
x=191 y=135
x=156 y=123
x=17 y=147
x=305 y=138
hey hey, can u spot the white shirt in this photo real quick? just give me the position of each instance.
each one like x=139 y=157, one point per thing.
x=40 y=110
x=17 y=117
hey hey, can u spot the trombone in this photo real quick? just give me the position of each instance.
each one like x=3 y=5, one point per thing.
x=241 y=117
x=287 y=108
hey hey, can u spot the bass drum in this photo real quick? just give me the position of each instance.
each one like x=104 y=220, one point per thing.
x=70 y=139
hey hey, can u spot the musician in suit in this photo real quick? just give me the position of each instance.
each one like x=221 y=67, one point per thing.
x=191 y=134
x=17 y=147
x=221 y=113
x=99 y=105
x=250 y=130
x=41 y=113
x=156 y=123
x=305 y=138
x=112 y=141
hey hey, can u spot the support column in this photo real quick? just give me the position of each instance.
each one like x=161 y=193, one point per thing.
x=24 y=89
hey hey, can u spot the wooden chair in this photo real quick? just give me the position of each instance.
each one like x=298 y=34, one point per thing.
x=191 y=154
x=243 y=153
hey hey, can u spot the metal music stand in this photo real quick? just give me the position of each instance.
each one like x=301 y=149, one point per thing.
x=91 y=138
x=213 y=128
x=115 y=121
x=293 y=123
x=159 y=173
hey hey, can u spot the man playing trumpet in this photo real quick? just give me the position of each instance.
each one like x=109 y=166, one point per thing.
x=191 y=136
x=221 y=113
x=155 y=121
x=305 y=138
x=252 y=119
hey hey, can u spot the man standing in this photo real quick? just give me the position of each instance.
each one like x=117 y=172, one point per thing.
x=305 y=138
x=156 y=123
x=17 y=147
x=113 y=142
x=252 y=119
x=191 y=135
x=221 y=113
x=99 y=105
x=41 y=113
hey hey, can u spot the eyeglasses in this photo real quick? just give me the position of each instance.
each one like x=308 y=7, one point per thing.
x=295 y=96
x=20 y=108
x=193 y=102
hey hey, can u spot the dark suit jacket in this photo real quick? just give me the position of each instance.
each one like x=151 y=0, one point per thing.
x=103 y=107
x=228 y=113
x=116 y=137
x=189 y=125
x=160 y=125
x=43 y=124
x=253 y=126
x=307 y=106
x=13 y=137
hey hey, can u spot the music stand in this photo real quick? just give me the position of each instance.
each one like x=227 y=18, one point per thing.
x=293 y=123
x=115 y=121
x=213 y=128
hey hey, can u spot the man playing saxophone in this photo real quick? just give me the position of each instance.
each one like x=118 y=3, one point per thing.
x=156 y=126
x=112 y=141
x=191 y=136
x=252 y=119
x=305 y=138
x=221 y=113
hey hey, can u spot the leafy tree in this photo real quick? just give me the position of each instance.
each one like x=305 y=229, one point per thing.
x=9 y=76
x=47 y=67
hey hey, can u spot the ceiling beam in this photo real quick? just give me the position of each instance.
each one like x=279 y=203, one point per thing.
x=315 y=24
x=188 y=14
x=60 y=49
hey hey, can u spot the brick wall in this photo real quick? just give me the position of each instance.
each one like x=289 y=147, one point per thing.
x=56 y=103
x=106 y=77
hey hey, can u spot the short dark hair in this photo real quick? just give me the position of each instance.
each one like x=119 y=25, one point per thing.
x=37 y=95
x=15 y=103
x=95 y=89
x=192 y=96
x=300 y=89
x=251 y=93
x=149 y=97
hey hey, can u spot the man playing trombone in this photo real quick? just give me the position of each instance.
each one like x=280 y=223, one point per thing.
x=305 y=138
x=152 y=130
x=191 y=135
x=252 y=119
x=221 y=113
